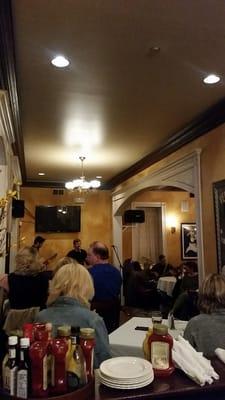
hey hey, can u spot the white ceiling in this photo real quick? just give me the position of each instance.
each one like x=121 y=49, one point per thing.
x=117 y=97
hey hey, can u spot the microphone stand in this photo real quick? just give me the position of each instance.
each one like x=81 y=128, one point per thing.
x=121 y=268
x=117 y=256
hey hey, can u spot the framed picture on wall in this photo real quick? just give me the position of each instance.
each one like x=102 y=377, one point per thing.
x=189 y=249
x=219 y=207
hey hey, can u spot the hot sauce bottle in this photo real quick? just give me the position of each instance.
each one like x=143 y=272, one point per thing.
x=160 y=346
x=59 y=378
x=87 y=343
x=38 y=355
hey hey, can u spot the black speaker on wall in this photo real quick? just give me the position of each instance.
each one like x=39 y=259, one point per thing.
x=134 y=216
x=18 y=208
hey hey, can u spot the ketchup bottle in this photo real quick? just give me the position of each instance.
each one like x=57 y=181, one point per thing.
x=160 y=346
x=87 y=343
x=59 y=379
x=38 y=356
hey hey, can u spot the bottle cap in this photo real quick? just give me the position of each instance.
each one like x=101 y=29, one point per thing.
x=160 y=329
x=64 y=330
x=24 y=342
x=13 y=340
x=87 y=333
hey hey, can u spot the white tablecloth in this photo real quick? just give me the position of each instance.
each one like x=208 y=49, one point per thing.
x=166 y=284
x=126 y=341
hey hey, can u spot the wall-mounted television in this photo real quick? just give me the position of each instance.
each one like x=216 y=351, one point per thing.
x=57 y=218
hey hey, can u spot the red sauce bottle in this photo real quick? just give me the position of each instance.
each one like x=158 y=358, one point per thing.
x=87 y=343
x=59 y=380
x=28 y=331
x=160 y=346
x=38 y=357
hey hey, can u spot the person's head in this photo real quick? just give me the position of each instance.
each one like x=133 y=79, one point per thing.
x=70 y=281
x=27 y=261
x=64 y=261
x=190 y=268
x=77 y=244
x=38 y=242
x=97 y=253
x=162 y=259
x=212 y=294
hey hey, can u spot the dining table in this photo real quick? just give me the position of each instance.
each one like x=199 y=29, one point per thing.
x=175 y=387
x=127 y=340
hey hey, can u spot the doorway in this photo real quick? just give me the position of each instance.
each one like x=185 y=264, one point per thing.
x=149 y=238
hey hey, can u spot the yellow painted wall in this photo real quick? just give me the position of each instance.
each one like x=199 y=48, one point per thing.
x=212 y=147
x=172 y=202
x=96 y=220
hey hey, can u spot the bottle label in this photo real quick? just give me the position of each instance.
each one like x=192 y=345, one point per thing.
x=12 y=353
x=160 y=355
x=45 y=373
x=6 y=378
x=22 y=384
x=13 y=373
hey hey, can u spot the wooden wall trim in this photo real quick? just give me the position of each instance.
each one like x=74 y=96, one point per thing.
x=205 y=122
x=8 y=77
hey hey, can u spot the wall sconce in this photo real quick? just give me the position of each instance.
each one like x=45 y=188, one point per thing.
x=171 y=222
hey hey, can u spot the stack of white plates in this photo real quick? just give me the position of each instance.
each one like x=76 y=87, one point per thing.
x=126 y=372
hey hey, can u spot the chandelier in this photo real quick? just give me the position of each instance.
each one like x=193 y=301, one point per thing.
x=81 y=184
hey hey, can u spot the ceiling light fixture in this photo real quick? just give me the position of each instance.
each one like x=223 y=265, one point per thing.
x=41 y=173
x=81 y=184
x=211 y=79
x=60 y=62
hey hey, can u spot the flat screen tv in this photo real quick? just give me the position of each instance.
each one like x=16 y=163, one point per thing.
x=57 y=219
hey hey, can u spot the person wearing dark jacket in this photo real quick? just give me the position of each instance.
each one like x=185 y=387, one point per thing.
x=27 y=285
x=77 y=253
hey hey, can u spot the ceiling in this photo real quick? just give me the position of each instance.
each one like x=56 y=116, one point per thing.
x=119 y=101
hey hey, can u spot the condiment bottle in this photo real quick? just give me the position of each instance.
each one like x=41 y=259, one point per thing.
x=10 y=368
x=145 y=344
x=76 y=374
x=59 y=381
x=64 y=331
x=28 y=331
x=160 y=345
x=87 y=343
x=38 y=355
x=24 y=371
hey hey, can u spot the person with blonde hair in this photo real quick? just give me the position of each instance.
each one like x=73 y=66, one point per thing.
x=206 y=332
x=71 y=290
x=27 y=286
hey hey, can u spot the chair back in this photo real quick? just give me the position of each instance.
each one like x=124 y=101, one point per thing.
x=17 y=318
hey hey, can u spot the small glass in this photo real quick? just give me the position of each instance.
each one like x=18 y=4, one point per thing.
x=156 y=317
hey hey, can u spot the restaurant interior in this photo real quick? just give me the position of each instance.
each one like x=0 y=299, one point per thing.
x=112 y=132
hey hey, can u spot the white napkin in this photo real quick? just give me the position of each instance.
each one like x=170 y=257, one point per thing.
x=220 y=354
x=194 y=364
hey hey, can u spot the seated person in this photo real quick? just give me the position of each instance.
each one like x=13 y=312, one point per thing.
x=161 y=268
x=188 y=279
x=27 y=286
x=186 y=305
x=206 y=332
x=71 y=290
x=142 y=290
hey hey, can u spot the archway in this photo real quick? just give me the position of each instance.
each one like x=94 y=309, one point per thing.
x=184 y=173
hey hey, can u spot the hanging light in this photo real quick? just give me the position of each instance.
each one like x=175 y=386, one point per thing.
x=81 y=184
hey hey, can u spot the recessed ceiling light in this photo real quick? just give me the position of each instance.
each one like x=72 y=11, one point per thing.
x=60 y=62
x=211 y=79
x=41 y=173
x=98 y=176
